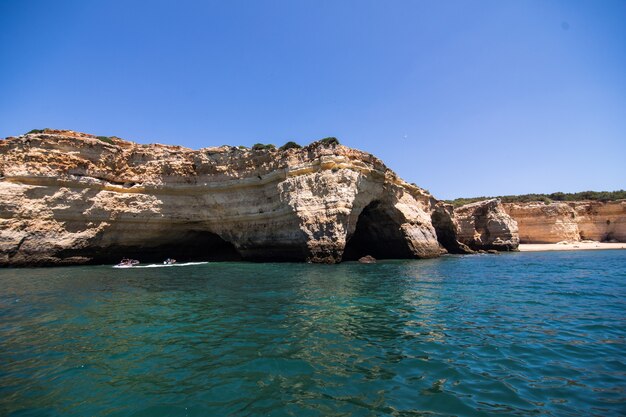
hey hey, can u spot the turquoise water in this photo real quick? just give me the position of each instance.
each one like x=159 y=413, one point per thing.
x=515 y=334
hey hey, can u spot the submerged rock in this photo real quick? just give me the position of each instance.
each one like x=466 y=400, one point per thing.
x=73 y=198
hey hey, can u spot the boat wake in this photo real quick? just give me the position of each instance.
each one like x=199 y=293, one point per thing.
x=162 y=265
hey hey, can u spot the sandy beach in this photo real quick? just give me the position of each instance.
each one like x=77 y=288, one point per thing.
x=586 y=245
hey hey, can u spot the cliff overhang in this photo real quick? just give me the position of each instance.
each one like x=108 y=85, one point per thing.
x=72 y=198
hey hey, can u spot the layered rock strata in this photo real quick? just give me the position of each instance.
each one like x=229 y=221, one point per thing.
x=447 y=229
x=569 y=221
x=71 y=198
x=485 y=225
x=480 y=226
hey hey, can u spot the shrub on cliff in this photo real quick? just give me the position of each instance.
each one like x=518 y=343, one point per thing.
x=329 y=141
x=106 y=139
x=35 y=131
x=289 y=145
x=261 y=147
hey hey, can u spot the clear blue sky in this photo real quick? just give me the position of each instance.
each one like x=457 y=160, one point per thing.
x=464 y=98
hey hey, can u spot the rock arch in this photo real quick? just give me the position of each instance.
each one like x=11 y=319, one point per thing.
x=379 y=232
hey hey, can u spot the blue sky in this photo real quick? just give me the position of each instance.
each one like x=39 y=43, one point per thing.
x=464 y=98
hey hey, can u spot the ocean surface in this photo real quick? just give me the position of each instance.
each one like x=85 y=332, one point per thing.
x=520 y=334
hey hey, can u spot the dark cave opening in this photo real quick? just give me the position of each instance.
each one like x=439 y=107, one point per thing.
x=189 y=246
x=377 y=234
x=446 y=231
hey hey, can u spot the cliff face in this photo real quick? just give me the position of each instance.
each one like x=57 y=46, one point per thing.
x=447 y=228
x=479 y=226
x=601 y=221
x=485 y=225
x=70 y=198
x=571 y=221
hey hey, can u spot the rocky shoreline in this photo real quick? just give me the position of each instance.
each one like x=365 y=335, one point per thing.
x=71 y=198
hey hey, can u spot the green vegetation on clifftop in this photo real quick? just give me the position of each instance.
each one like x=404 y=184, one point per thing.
x=260 y=146
x=548 y=198
x=290 y=145
x=106 y=139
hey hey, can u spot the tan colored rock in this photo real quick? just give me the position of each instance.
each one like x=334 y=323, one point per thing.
x=601 y=221
x=367 y=259
x=485 y=225
x=447 y=229
x=544 y=223
x=68 y=198
x=569 y=221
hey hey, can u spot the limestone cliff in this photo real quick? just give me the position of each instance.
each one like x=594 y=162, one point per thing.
x=447 y=228
x=485 y=225
x=71 y=198
x=479 y=226
x=569 y=221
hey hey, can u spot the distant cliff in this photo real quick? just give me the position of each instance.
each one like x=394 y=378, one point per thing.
x=485 y=225
x=72 y=198
x=479 y=226
x=573 y=221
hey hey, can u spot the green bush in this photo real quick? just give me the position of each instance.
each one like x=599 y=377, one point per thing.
x=36 y=131
x=106 y=139
x=261 y=146
x=290 y=145
x=329 y=141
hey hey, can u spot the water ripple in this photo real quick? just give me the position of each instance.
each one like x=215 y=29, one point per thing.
x=520 y=334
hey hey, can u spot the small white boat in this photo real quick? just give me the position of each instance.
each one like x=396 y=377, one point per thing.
x=127 y=263
x=169 y=261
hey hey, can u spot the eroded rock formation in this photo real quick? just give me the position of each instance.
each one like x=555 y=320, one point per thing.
x=447 y=229
x=569 y=221
x=485 y=225
x=480 y=226
x=71 y=198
